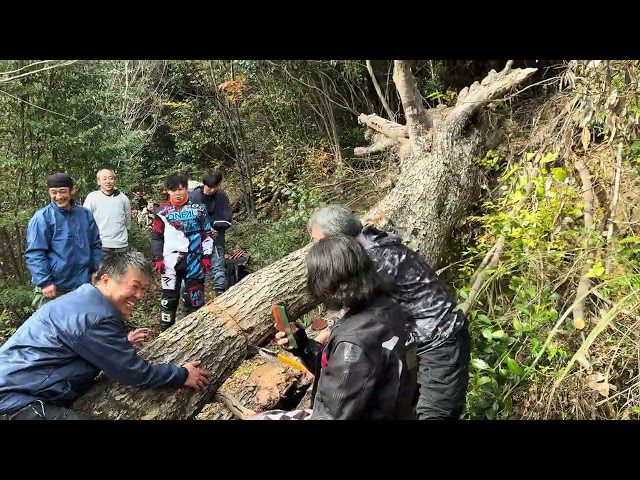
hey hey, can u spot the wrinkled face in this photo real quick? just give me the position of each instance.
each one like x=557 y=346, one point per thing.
x=62 y=196
x=209 y=190
x=316 y=233
x=178 y=195
x=126 y=293
x=107 y=181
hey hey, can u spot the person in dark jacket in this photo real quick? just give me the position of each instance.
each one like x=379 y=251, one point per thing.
x=55 y=355
x=219 y=210
x=367 y=369
x=63 y=243
x=441 y=331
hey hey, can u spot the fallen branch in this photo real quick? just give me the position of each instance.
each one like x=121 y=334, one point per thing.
x=585 y=283
x=382 y=125
x=383 y=144
x=614 y=207
x=234 y=405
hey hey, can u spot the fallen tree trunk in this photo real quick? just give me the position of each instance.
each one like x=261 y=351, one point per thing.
x=431 y=195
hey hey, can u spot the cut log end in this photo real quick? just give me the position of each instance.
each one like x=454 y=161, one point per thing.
x=578 y=323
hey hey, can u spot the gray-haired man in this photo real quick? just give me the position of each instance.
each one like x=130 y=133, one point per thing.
x=55 y=355
x=442 y=333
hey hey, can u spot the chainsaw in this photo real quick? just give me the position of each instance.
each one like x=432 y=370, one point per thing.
x=276 y=357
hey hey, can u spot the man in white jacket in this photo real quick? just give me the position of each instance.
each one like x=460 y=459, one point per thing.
x=112 y=211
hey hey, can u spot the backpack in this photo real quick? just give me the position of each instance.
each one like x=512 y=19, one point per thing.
x=236 y=269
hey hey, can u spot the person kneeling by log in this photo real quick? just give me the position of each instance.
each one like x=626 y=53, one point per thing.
x=366 y=370
x=55 y=355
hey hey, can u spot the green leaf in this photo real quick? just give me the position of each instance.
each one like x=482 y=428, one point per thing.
x=486 y=333
x=514 y=367
x=510 y=172
x=483 y=380
x=517 y=324
x=479 y=364
x=559 y=174
x=498 y=334
x=597 y=270
x=629 y=240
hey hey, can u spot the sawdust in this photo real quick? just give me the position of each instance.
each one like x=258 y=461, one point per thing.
x=270 y=380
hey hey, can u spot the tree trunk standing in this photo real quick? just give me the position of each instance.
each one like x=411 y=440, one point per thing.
x=225 y=111
x=333 y=129
x=217 y=334
x=245 y=155
x=431 y=195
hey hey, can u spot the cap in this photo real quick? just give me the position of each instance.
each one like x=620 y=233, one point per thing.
x=58 y=180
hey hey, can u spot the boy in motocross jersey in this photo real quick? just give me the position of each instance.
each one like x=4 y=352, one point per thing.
x=181 y=245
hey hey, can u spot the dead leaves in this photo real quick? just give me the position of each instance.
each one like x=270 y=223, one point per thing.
x=596 y=381
x=235 y=89
x=585 y=137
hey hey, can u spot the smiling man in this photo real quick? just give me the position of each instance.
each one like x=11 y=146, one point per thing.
x=112 y=211
x=55 y=355
x=63 y=243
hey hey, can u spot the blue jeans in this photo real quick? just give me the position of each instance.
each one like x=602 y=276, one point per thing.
x=218 y=274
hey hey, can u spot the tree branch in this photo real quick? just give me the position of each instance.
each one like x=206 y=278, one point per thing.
x=392 y=117
x=490 y=261
x=384 y=126
x=234 y=405
x=26 y=74
x=493 y=86
x=418 y=120
x=614 y=207
x=584 y=284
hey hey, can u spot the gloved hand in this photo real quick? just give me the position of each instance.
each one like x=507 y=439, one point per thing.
x=160 y=267
x=299 y=334
x=206 y=262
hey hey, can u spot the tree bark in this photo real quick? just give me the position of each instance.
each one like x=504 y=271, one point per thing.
x=431 y=195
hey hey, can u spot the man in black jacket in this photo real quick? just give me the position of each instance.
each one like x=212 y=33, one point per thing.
x=441 y=331
x=219 y=210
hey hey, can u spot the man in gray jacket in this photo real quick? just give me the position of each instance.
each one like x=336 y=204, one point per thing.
x=112 y=211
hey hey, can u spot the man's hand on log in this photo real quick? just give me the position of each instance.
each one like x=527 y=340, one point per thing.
x=138 y=337
x=197 y=378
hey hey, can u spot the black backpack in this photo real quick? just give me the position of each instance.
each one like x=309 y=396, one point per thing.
x=236 y=269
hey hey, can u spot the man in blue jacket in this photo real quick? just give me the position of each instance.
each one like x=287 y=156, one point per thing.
x=55 y=355
x=63 y=243
x=219 y=210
